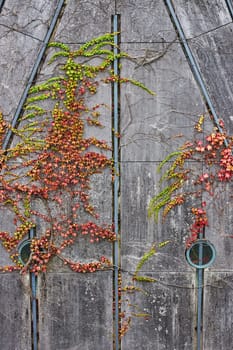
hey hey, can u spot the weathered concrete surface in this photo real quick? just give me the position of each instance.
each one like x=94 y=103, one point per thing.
x=171 y=321
x=211 y=44
x=18 y=53
x=15 y=318
x=219 y=230
x=218 y=310
x=144 y=21
x=148 y=127
x=153 y=126
x=210 y=29
x=20 y=41
x=139 y=183
x=83 y=317
x=213 y=53
x=30 y=17
x=75 y=311
x=198 y=17
x=85 y=19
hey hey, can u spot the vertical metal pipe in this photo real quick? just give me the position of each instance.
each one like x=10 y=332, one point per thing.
x=116 y=180
x=33 y=280
x=193 y=65
x=33 y=73
x=200 y=277
x=199 y=308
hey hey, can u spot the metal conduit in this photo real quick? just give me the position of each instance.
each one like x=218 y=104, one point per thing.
x=116 y=180
x=230 y=7
x=33 y=281
x=193 y=64
x=200 y=279
x=33 y=73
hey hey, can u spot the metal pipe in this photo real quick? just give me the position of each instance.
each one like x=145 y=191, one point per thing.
x=1 y=4
x=116 y=180
x=194 y=66
x=33 y=280
x=199 y=307
x=200 y=278
x=230 y=7
x=33 y=74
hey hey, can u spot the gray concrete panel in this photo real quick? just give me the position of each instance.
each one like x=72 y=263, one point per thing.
x=213 y=53
x=15 y=319
x=218 y=310
x=219 y=230
x=28 y=17
x=154 y=126
x=198 y=17
x=170 y=304
x=210 y=29
x=144 y=21
x=139 y=183
x=23 y=25
x=18 y=54
x=75 y=311
x=85 y=19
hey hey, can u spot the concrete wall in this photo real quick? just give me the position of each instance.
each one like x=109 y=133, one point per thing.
x=75 y=311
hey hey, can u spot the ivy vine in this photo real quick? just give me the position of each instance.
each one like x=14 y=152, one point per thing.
x=184 y=185
x=51 y=160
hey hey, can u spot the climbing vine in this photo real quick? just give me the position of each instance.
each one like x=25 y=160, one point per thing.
x=46 y=172
x=185 y=185
x=130 y=311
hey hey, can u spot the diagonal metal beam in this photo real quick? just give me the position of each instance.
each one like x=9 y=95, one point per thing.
x=230 y=7
x=1 y=4
x=193 y=64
